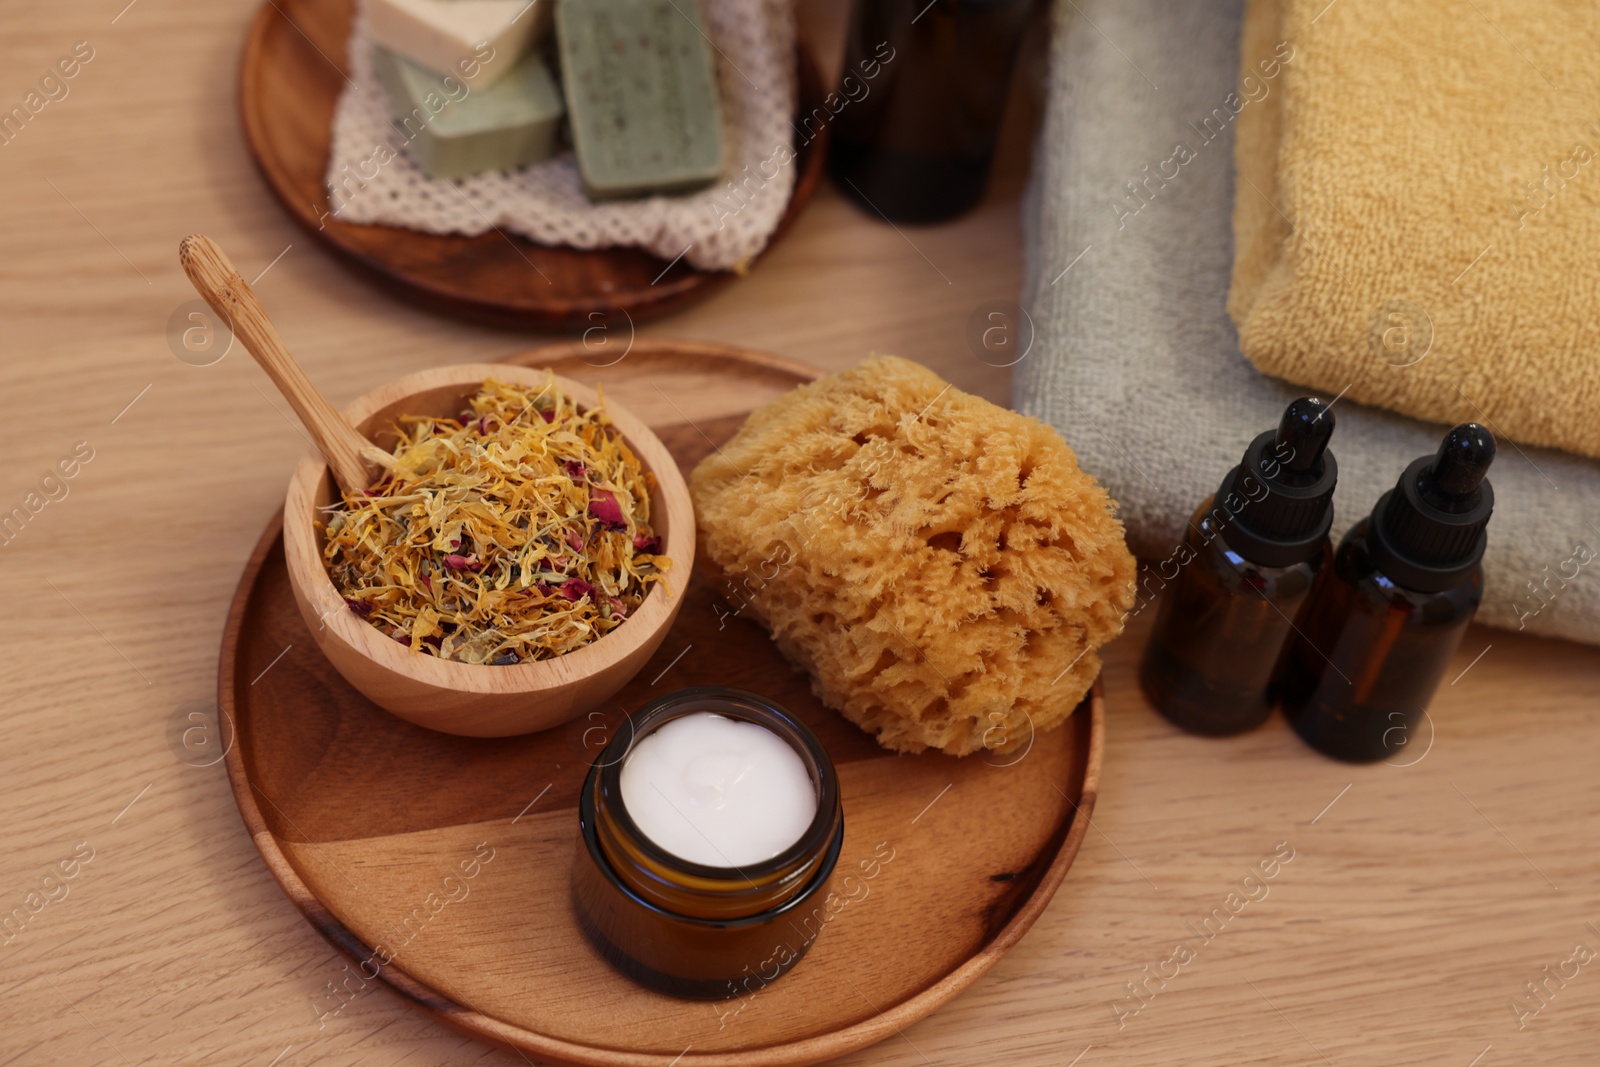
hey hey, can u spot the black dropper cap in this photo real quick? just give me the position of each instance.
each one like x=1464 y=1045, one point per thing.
x=1428 y=531
x=1285 y=486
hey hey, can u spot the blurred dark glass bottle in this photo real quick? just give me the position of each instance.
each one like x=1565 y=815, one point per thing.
x=921 y=97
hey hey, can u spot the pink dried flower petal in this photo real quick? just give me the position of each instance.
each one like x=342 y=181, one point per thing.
x=603 y=506
x=576 y=589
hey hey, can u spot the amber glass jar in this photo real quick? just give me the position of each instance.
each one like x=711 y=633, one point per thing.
x=684 y=928
x=1220 y=629
x=1356 y=679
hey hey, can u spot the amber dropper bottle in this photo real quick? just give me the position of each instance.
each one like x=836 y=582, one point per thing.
x=1244 y=569
x=1385 y=619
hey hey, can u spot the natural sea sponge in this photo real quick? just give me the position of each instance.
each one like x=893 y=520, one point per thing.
x=940 y=565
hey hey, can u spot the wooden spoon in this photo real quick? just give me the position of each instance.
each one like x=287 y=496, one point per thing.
x=350 y=456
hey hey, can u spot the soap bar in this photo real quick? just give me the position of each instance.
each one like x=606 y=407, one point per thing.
x=478 y=41
x=642 y=95
x=457 y=130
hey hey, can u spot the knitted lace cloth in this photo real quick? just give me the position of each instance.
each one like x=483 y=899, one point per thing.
x=718 y=228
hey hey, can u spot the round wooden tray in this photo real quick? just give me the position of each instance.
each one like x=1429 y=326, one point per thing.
x=289 y=82
x=371 y=825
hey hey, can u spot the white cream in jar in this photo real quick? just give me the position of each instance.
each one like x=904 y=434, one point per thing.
x=718 y=791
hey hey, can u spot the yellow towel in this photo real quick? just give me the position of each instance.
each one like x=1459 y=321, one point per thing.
x=1417 y=216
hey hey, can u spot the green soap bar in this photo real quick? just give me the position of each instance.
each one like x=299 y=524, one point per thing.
x=642 y=95
x=457 y=131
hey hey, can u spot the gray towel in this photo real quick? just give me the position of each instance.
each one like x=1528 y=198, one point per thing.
x=1130 y=244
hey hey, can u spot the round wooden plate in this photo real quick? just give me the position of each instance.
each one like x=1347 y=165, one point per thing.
x=454 y=854
x=289 y=83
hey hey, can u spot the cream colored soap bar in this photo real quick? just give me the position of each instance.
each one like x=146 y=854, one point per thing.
x=478 y=41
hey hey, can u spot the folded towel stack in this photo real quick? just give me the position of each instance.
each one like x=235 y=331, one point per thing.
x=1135 y=358
x=1419 y=206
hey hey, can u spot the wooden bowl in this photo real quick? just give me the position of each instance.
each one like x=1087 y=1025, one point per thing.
x=478 y=700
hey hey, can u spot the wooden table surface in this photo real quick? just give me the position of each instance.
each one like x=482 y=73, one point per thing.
x=1418 y=903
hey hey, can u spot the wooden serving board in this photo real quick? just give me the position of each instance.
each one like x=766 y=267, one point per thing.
x=454 y=854
x=289 y=82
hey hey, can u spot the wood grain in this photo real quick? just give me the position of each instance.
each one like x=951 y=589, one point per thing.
x=219 y=284
x=955 y=888
x=1397 y=937
x=288 y=88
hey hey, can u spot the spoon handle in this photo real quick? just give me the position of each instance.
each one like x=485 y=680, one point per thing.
x=216 y=279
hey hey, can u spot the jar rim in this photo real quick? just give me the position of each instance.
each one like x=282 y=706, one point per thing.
x=597 y=855
x=730 y=702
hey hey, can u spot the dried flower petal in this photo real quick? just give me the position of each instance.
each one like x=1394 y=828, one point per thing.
x=603 y=506
x=480 y=520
